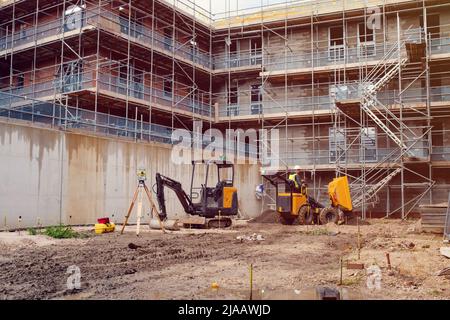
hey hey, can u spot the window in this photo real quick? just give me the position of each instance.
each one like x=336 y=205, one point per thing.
x=255 y=51
x=194 y=51
x=336 y=36
x=337 y=145
x=137 y=86
x=366 y=41
x=369 y=144
x=433 y=25
x=336 y=49
x=232 y=110
x=167 y=38
x=123 y=72
x=167 y=88
x=232 y=48
x=22 y=32
x=73 y=18
x=256 y=99
x=71 y=76
x=124 y=23
x=233 y=95
x=20 y=81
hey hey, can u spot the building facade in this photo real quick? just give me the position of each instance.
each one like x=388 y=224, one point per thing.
x=360 y=88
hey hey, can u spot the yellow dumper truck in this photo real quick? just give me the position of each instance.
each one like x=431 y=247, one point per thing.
x=294 y=205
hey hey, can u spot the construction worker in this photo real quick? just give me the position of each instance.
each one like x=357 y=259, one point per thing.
x=299 y=183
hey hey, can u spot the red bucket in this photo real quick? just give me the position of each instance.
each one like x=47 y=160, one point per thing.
x=103 y=220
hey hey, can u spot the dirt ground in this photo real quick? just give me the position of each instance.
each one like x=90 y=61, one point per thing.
x=289 y=262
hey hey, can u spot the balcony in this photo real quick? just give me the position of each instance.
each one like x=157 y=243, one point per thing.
x=440 y=45
x=330 y=158
x=104 y=20
x=109 y=84
x=326 y=57
x=241 y=59
x=55 y=115
x=323 y=103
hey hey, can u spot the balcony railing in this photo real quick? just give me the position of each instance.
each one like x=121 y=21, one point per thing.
x=147 y=94
x=328 y=157
x=237 y=59
x=56 y=115
x=325 y=57
x=326 y=102
x=112 y=84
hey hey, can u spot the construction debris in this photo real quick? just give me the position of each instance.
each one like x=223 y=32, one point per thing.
x=253 y=237
x=133 y=246
x=444 y=272
x=445 y=251
x=355 y=266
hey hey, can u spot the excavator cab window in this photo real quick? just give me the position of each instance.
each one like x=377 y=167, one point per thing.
x=225 y=174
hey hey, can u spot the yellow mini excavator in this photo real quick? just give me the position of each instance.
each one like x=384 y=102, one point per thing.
x=217 y=202
x=294 y=205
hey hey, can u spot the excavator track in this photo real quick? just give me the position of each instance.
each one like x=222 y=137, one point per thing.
x=218 y=223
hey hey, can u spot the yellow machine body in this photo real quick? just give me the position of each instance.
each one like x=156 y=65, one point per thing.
x=339 y=192
x=228 y=196
x=298 y=199
x=104 y=228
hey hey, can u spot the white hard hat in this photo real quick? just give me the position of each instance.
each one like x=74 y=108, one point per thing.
x=297 y=168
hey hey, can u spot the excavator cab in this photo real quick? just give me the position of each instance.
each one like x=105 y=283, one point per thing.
x=216 y=197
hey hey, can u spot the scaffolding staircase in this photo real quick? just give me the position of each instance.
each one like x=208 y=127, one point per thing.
x=402 y=57
x=392 y=64
x=370 y=193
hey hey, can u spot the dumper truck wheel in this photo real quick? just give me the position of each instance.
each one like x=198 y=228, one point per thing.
x=286 y=220
x=328 y=215
x=305 y=215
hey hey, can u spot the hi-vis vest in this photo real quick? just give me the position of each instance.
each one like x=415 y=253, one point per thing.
x=303 y=188
x=292 y=177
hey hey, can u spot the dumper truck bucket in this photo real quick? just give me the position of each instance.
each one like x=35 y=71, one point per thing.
x=339 y=192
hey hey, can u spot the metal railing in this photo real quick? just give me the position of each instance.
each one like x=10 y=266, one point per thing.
x=57 y=115
x=350 y=91
x=112 y=84
x=242 y=58
x=328 y=157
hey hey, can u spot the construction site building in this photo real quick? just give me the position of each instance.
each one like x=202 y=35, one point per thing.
x=360 y=88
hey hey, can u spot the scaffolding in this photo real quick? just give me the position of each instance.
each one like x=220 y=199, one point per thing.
x=346 y=99
x=366 y=69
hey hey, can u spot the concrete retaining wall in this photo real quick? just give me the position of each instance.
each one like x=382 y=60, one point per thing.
x=73 y=178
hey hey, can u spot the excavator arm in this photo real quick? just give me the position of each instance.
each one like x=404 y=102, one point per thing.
x=185 y=200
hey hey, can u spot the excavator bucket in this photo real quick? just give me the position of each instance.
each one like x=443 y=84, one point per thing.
x=339 y=192
x=172 y=225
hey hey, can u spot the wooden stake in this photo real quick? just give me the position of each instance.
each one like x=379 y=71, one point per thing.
x=340 y=279
x=388 y=258
x=18 y=223
x=251 y=281
x=359 y=239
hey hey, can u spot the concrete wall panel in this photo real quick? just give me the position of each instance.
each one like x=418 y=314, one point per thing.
x=75 y=178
